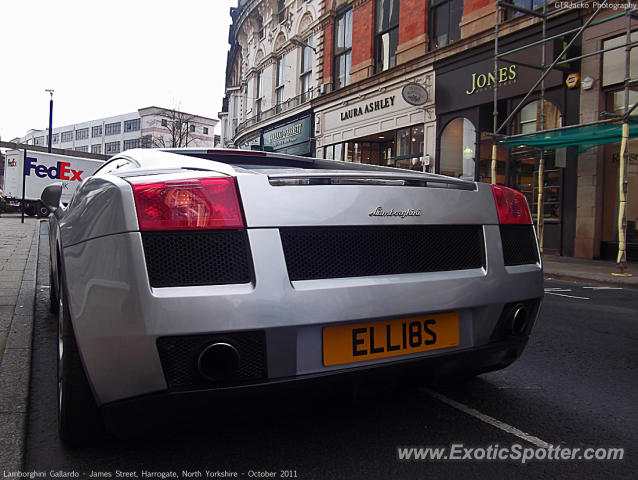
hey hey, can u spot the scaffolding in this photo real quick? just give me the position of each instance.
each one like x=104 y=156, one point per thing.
x=544 y=15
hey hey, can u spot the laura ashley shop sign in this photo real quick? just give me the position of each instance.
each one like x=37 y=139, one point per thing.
x=369 y=107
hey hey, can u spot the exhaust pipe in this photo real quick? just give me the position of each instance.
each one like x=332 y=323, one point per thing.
x=519 y=320
x=218 y=361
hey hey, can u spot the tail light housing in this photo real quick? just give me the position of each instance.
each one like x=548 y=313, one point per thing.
x=511 y=206
x=187 y=204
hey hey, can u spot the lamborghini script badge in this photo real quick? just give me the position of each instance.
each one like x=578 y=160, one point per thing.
x=380 y=212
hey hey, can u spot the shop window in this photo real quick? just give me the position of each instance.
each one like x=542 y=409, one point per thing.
x=445 y=18
x=409 y=148
x=387 y=34
x=485 y=160
x=330 y=150
x=458 y=149
x=524 y=161
x=343 y=49
x=616 y=102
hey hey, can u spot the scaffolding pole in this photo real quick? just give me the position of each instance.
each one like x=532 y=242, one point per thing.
x=495 y=111
x=540 y=209
x=621 y=260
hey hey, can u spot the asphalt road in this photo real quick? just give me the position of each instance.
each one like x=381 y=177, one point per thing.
x=575 y=386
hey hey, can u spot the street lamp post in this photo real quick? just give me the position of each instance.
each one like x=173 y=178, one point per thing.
x=50 y=117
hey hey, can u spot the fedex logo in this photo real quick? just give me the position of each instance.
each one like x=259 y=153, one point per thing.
x=60 y=171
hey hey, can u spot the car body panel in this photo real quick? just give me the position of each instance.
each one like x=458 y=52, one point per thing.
x=118 y=317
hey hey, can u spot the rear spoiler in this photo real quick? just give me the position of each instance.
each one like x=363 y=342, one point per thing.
x=353 y=173
x=408 y=179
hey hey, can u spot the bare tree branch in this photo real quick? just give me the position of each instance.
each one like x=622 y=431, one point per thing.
x=178 y=126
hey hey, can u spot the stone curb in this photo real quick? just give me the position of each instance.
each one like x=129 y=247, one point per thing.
x=15 y=367
x=589 y=279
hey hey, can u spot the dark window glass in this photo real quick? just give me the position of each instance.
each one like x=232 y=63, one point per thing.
x=112 y=148
x=132 y=125
x=96 y=131
x=445 y=22
x=82 y=133
x=387 y=34
x=306 y=70
x=113 y=128
x=134 y=143
x=343 y=49
x=281 y=72
x=529 y=4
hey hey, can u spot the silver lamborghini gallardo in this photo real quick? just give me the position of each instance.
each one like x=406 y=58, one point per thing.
x=178 y=274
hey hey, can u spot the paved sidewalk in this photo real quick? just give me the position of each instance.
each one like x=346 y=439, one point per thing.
x=589 y=271
x=18 y=262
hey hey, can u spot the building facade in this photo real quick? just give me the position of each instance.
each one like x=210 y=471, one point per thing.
x=409 y=83
x=146 y=128
x=602 y=94
x=272 y=74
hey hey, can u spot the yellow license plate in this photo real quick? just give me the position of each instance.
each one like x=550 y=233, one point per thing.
x=401 y=336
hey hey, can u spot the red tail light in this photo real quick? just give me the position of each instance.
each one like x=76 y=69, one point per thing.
x=511 y=206
x=190 y=204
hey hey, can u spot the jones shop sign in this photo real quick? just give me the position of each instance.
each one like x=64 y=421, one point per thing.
x=293 y=137
x=473 y=84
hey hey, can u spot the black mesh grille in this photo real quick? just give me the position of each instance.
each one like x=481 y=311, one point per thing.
x=208 y=257
x=519 y=244
x=337 y=252
x=179 y=359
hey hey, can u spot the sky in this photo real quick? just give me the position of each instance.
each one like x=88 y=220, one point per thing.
x=108 y=58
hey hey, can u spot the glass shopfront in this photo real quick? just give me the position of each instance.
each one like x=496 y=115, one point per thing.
x=401 y=148
x=524 y=162
x=458 y=145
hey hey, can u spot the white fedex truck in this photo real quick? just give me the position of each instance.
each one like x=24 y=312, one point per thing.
x=41 y=169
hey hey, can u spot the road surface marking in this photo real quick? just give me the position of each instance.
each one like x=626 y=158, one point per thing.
x=604 y=288
x=487 y=419
x=568 y=296
x=558 y=289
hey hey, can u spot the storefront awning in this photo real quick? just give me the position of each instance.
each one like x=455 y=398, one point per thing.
x=579 y=136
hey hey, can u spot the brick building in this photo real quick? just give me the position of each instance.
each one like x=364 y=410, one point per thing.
x=408 y=83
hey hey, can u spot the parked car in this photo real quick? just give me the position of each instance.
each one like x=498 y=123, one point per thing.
x=201 y=271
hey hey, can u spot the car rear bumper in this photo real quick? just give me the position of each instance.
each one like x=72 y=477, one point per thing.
x=125 y=417
x=118 y=318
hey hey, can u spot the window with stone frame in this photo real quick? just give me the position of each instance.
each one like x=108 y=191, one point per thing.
x=343 y=49
x=386 y=34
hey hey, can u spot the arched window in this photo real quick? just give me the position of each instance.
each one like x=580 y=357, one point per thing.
x=528 y=119
x=458 y=149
